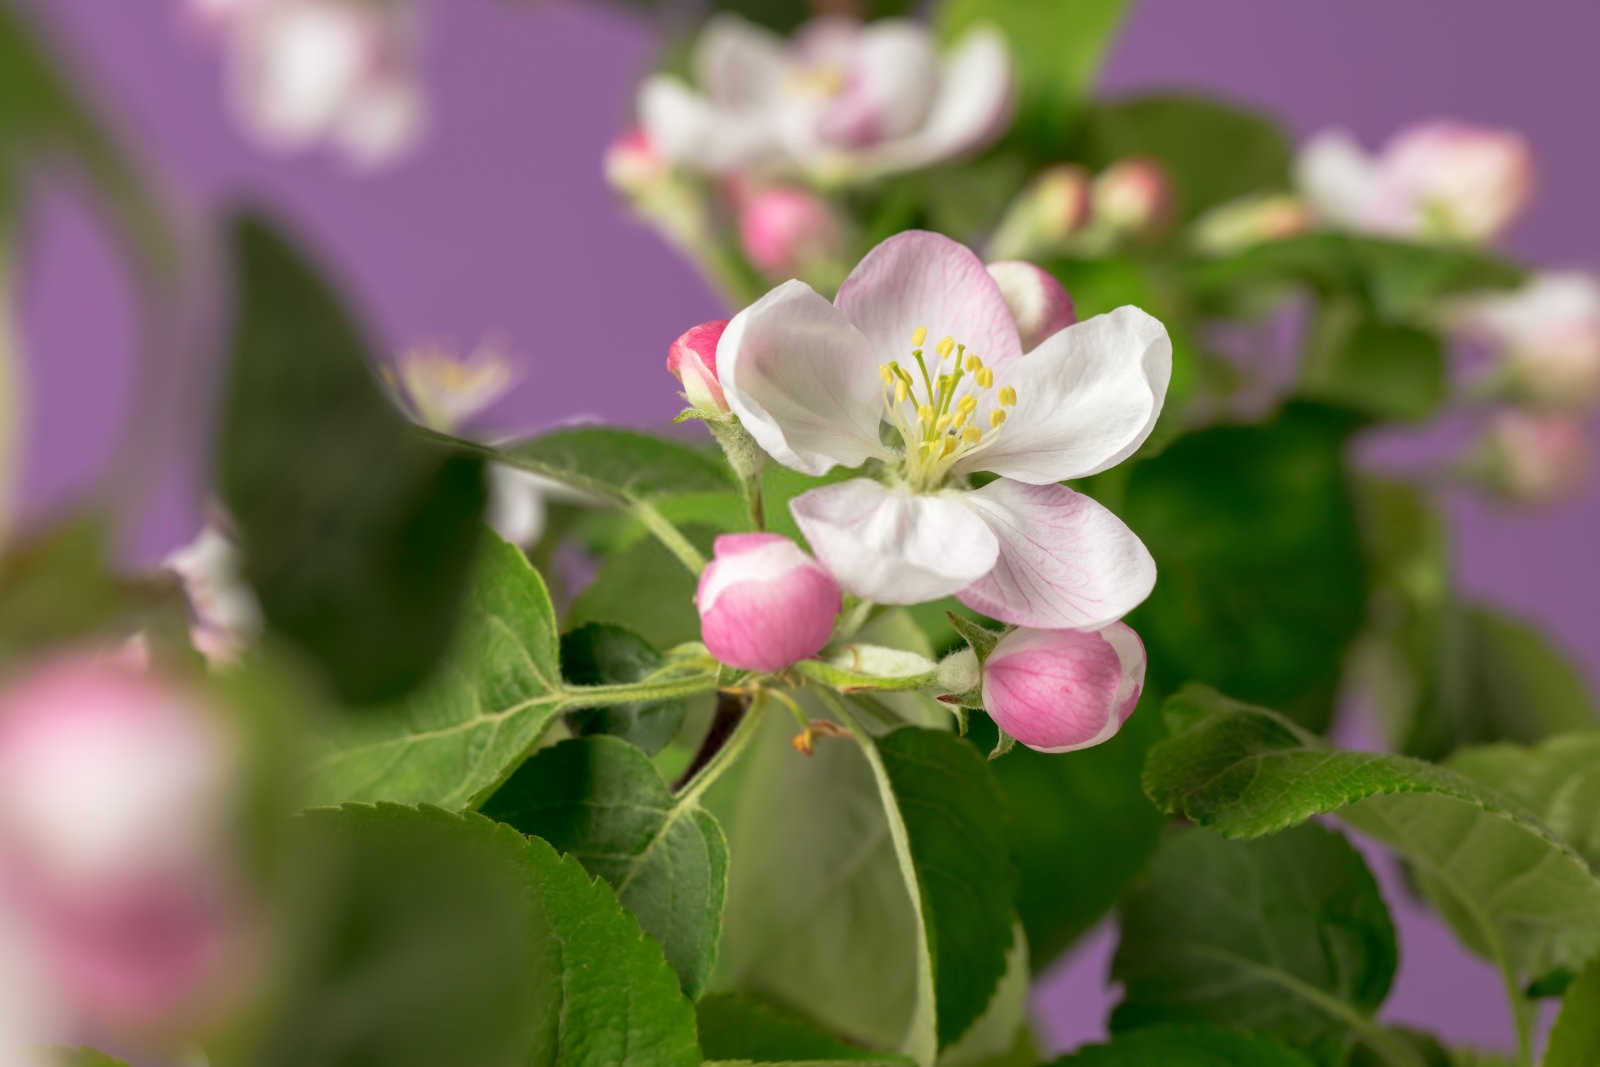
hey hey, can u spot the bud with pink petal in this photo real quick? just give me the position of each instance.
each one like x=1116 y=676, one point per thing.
x=692 y=359
x=1132 y=196
x=764 y=604
x=116 y=845
x=1251 y=220
x=1038 y=303
x=1535 y=458
x=789 y=232
x=1549 y=333
x=1053 y=207
x=632 y=163
x=1060 y=690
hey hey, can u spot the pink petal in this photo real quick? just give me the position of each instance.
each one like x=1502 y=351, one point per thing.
x=764 y=604
x=1038 y=303
x=1060 y=690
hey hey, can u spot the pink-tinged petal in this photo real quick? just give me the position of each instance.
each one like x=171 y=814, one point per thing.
x=1038 y=303
x=692 y=359
x=739 y=64
x=1065 y=562
x=690 y=131
x=1086 y=400
x=919 y=279
x=892 y=545
x=973 y=106
x=1337 y=178
x=1060 y=690
x=294 y=67
x=890 y=85
x=382 y=122
x=764 y=604
x=1458 y=180
x=802 y=380
x=785 y=230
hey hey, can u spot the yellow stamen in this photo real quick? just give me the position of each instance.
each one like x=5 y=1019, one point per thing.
x=973 y=362
x=900 y=392
x=886 y=374
x=996 y=417
x=949 y=447
x=985 y=377
x=967 y=403
x=945 y=347
x=925 y=412
x=972 y=435
x=918 y=336
x=944 y=423
x=1008 y=396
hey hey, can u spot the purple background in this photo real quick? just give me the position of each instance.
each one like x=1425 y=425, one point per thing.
x=501 y=226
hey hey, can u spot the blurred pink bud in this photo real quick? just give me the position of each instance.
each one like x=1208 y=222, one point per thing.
x=1251 y=220
x=115 y=803
x=1060 y=690
x=1132 y=195
x=1537 y=458
x=1038 y=302
x=764 y=604
x=1458 y=180
x=632 y=162
x=787 y=231
x=692 y=359
x=1549 y=331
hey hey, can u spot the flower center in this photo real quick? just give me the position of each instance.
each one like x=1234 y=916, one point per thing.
x=824 y=80
x=946 y=411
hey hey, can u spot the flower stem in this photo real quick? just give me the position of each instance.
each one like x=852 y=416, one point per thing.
x=599 y=696
x=732 y=729
x=669 y=535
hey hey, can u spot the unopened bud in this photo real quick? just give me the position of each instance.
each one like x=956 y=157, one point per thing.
x=764 y=604
x=1038 y=303
x=632 y=163
x=788 y=232
x=1060 y=690
x=1132 y=196
x=1535 y=458
x=692 y=359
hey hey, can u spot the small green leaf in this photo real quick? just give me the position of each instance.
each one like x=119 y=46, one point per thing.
x=1559 y=781
x=1287 y=935
x=978 y=638
x=1575 y=1039
x=1185 y=1045
x=358 y=535
x=748 y=1030
x=451 y=742
x=1512 y=890
x=860 y=666
x=1380 y=370
x=433 y=938
x=599 y=800
x=620 y=465
x=599 y=654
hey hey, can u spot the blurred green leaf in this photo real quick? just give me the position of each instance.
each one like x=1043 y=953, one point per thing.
x=1511 y=889
x=1379 y=370
x=1212 y=150
x=1056 y=51
x=599 y=800
x=84 y=1057
x=432 y=938
x=1575 y=1039
x=1184 y=1045
x=455 y=739
x=1558 y=780
x=358 y=536
x=747 y=1030
x=1254 y=536
x=1286 y=935
x=600 y=654
x=620 y=465
x=645 y=589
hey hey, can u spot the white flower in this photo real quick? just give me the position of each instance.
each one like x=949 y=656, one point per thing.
x=226 y=613
x=1435 y=180
x=336 y=71
x=921 y=341
x=840 y=101
x=1549 y=332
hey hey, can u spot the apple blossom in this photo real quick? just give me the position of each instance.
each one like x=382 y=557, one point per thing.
x=788 y=232
x=692 y=359
x=226 y=613
x=1038 y=302
x=764 y=604
x=839 y=101
x=1535 y=458
x=116 y=846
x=1060 y=690
x=1549 y=332
x=1435 y=180
x=632 y=164
x=921 y=338
x=339 y=71
x=1131 y=196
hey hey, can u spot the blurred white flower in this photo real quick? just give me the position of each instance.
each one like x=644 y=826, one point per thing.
x=226 y=613
x=840 y=101
x=1548 y=332
x=1437 y=180
x=1535 y=457
x=341 y=72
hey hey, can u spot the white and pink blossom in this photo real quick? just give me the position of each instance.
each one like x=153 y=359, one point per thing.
x=1438 y=180
x=764 y=604
x=226 y=614
x=1536 y=457
x=1060 y=690
x=692 y=359
x=1548 y=333
x=918 y=367
x=840 y=101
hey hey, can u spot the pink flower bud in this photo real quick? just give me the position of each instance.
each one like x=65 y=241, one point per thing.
x=1251 y=220
x=1060 y=197
x=114 y=840
x=1060 y=690
x=1536 y=458
x=1456 y=180
x=632 y=162
x=764 y=604
x=1133 y=195
x=786 y=231
x=692 y=359
x=1038 y=302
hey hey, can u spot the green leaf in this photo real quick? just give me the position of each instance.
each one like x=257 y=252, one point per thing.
x=358 y=536
x=1079 y=826
x=1381 y=370
x=454 y=740
x=647 y=590
x=747 y=1030
x=1185 y=1045
x=436 y=938
x=620 y=465
x=1559 y=781
x=1512 y=890
x=1214 y=151
x=1255 y=535
x=1287 y=935
x=858 y=666
x=1056 y=51
x=84 y=1057
x=598 y=654
x=1575 y=1039
x=599 y=800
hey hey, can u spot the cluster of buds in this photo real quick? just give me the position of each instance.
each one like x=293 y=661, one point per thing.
x=1065 y=209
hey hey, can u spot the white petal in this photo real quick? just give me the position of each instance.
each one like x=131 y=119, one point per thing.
x=689 y=130
x=1338 y=179
x=802 y=380
x=739 y=64
x=973 y=106
x=516 y=504
x=1086 y=399
x=381 y=122
x=1066 y=563
x=892 y=545
x=295 y=66
x=890 y=86
x=920 y=279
